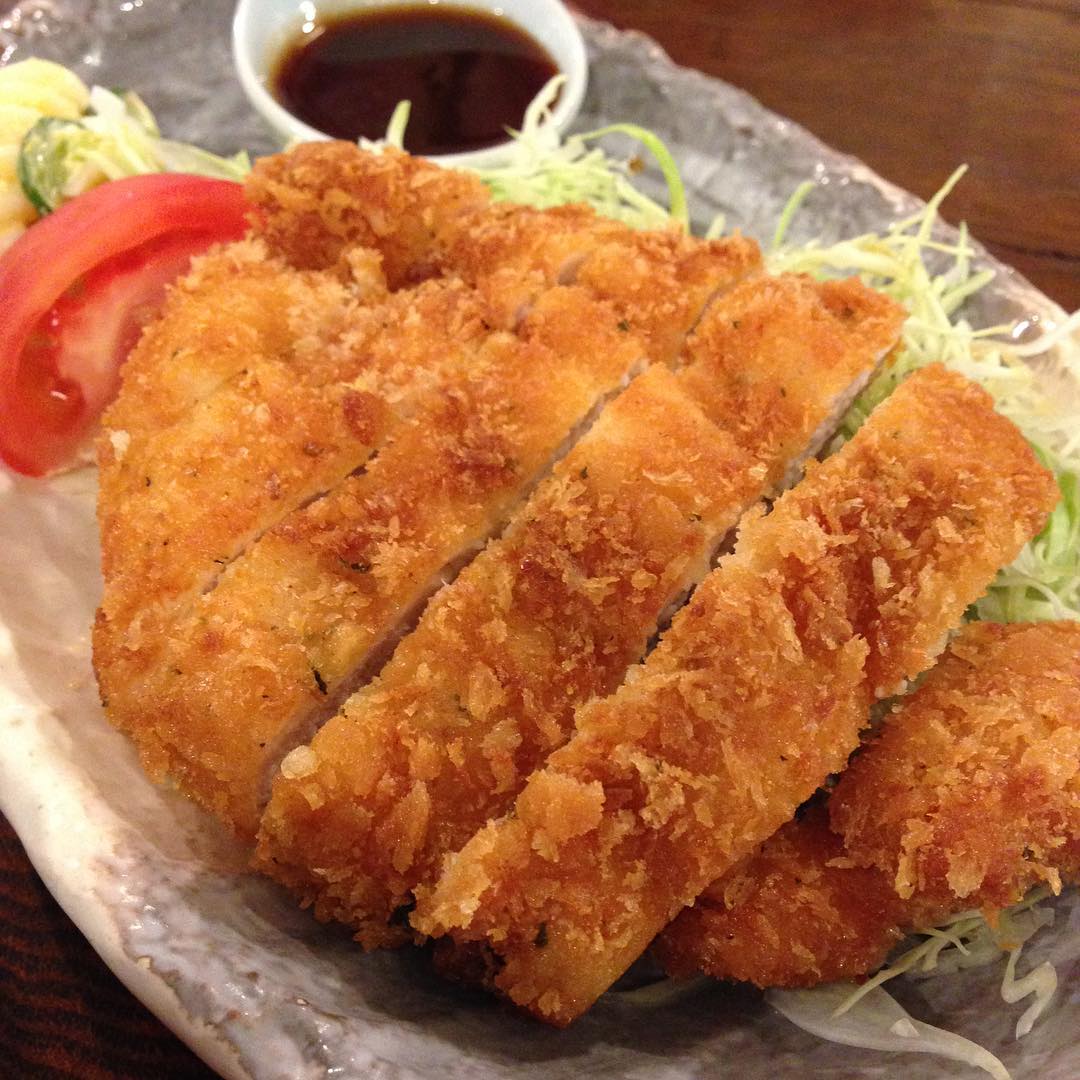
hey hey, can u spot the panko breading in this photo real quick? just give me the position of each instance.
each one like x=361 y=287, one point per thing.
x=555 y=611
x=659 y=281
x=294 y=401
x=180 y=504
x=968 y=797
x=796 y=913
x=755 y=695
x=972 y=790
x=238 y=304
x=318 y=200
x=311 y=610
x=321 y=200
x=331 y=418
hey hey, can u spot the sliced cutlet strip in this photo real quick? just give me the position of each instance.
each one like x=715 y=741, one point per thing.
x=795 y=913
x=179 y=506
x=660 y=281
x=556 y=610
x=967 y=797
x=971 y=794
x=318 y=200
x=312 y=610
x=753 y=697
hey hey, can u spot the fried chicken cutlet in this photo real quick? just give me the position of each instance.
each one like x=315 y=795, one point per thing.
x=313 y=607
x=755 y=695
x=318 y=200
x=967 y=796
x=278 y=433
x=557 y=609
x=246 y=500
x=795 y=913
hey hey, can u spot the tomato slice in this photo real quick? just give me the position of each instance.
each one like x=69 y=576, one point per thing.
x=76 y=289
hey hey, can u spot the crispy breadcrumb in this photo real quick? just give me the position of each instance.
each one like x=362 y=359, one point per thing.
x=972 y=790
x=310 y=611
x=658 y=281
x=317 y=201
x=796 y=913
x=554 y=612
x=330 y=419
x=755 y=695
x=279 y=367
x=180 y=503
x=237 y=304
x=967 y=797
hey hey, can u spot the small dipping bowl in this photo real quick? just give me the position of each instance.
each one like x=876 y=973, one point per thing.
x=263 y=30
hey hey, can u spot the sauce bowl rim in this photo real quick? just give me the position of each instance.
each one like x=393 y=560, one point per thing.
x=255 y=44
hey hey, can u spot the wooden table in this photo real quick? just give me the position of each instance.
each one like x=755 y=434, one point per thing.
x=913 y=88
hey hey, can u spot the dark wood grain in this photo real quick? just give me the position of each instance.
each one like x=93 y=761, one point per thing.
x=915 y=88
x=912 y=88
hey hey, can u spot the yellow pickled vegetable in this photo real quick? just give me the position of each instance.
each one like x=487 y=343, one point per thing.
x=29 y=90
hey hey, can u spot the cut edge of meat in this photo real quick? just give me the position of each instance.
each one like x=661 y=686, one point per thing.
x=697 y=466
x=631 y=819
x=567 y=332
x=368 y=668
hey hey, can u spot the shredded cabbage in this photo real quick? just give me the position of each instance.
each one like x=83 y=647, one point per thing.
x=967 y=940
x=878 y=1022
x=545 y=171
x=867 y=1015
x=1044 y=581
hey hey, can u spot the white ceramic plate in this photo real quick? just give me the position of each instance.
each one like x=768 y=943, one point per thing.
x=253 y=985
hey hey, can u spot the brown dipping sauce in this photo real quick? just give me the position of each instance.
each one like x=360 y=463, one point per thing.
x=469 y=75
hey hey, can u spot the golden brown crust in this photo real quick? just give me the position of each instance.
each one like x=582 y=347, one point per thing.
x=971 y=794
x=300 y=329
x=304 y=377
x=317 y=201
x=789 y=915
x=968 y=797
x=486 y=685
x=554 y=612
x=803 y=328
x=322 y=199
x=238 y=304
x=658 y=281
x=180 y=503
x=751 y=700
x=294 y=620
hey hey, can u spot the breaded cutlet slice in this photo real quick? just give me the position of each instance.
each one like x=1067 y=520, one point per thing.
x=754 y=696
x=554 y=611
x=318 y=201
x=795 y=913
x=314 y=607
x=660 y=281
x=237 y=303
x=177 y=506
x=967 y=797
x=971 y=791
x=314 y=202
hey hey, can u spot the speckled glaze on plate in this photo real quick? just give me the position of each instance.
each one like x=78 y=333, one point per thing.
x=253 y=985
